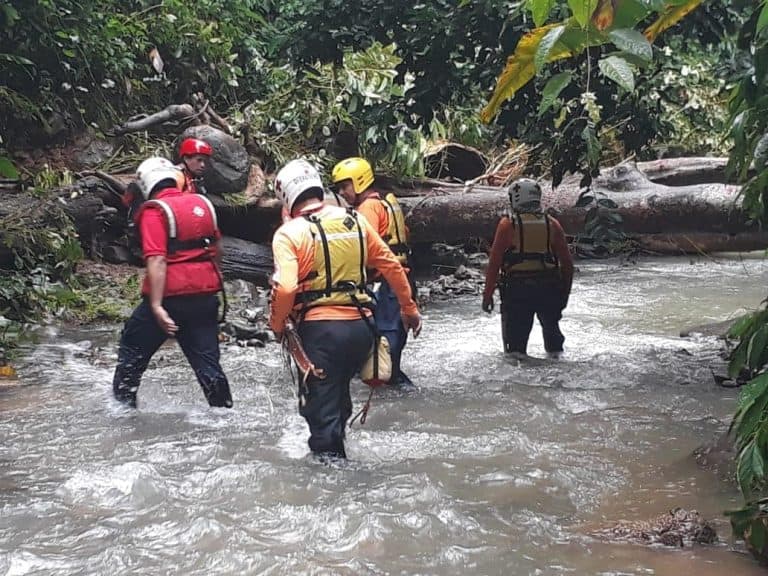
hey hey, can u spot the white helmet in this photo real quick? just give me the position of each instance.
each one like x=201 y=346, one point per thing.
x=154 y=170
x=525 y=195
x=294 y=178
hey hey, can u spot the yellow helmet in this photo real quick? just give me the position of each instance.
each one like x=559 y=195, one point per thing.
x=356 y=169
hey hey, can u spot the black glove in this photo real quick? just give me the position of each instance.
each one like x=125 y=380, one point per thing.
x=488 y=304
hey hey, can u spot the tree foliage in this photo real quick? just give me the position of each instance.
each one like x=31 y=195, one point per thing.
x=749 y=160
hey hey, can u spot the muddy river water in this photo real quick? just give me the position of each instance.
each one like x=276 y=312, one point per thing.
x=492 y=467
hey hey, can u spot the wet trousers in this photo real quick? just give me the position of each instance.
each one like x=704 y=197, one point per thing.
x=339 y=347
x=521 y=299
x=390 y=325
x=197 y=319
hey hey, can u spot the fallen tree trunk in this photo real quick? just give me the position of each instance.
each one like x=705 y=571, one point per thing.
x=173 y=112
x=246 y=260
x=444 y=214
x=686 y=171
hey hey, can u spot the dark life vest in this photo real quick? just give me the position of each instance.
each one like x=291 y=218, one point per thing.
x=532 y=252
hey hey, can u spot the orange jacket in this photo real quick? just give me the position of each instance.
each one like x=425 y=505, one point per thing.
x=293 y=249
x=375 y=212
x=505 y=239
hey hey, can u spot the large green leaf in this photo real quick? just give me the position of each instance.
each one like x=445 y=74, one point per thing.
x=618 y=70
x=582 y=10
x=552 y=90
x=545 y=47
x=540 y=9
x=762 y=20
x=672 y=14
x=744 y=472
x=632 y=42
x=593 y=145
x=520 y=67
x=756 y=348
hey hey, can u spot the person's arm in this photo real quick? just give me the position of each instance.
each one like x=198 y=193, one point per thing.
x=382 y=259
x=559 y=246
x=501 y=242
x=285 y=282
x=154 y=241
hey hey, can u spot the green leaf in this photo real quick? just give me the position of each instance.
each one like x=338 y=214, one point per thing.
x=552 y=90
x=540 y=9
x=742 y=326
x=607 y=203
x=593 y=145
x=7 y=169
x=758 y=464
x=584 y=200
x=582 y=10
x=545 y=47
x=756 y=348
x=673 y=12
x=744 y=473
x=757 y=535
x=618 y=70
x=632 y=42
x=762 y=20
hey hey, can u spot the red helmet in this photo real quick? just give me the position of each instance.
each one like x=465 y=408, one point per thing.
x=192 y=146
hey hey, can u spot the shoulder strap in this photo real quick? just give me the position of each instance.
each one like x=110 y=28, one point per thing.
x=165 y=207
x=211 y=208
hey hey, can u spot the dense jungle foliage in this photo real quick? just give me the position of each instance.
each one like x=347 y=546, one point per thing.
x=304 y=77
x=749 y=160
x=393 y=75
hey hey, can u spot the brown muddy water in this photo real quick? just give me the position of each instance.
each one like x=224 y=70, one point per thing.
x=491 y=467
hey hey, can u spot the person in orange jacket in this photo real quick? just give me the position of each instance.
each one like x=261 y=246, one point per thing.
x=321 y=256
x=355 y=181
x=531 y=253
x=179 y=238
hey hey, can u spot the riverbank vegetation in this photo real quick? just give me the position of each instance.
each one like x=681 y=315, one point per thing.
x=749 y=159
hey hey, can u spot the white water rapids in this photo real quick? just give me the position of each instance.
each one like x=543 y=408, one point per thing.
x=491 y=467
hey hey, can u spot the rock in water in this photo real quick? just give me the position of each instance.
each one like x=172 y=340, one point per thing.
x=230 y=165
x=678 y=527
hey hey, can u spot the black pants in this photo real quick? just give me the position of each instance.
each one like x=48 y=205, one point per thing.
x=340 y=348
x=521 y=298
x=197 y=319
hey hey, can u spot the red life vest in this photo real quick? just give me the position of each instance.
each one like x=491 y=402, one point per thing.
x=192 y=235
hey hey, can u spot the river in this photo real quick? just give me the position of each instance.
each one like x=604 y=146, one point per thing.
x=492 y=467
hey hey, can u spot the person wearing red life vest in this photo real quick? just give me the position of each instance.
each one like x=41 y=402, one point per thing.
x=195 y=155
x=179 y=238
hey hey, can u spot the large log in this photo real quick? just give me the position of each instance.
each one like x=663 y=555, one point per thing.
x=246 y=260
x=444 y=214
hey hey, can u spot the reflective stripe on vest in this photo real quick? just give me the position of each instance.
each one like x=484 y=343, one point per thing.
x=532 y=252
x=338 y=273
x=396 y=237
x=192 y=234
x=176 y=245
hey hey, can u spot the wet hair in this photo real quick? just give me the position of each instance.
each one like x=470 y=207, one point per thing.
x=309 y=193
